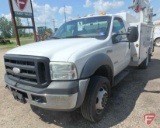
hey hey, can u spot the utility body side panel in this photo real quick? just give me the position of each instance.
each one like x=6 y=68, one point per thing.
x=144 y=44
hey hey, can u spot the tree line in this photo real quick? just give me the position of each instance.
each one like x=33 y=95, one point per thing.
x=7 y=29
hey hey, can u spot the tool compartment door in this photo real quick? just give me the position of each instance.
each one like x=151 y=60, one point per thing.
x=139 y=49
x=145 y=41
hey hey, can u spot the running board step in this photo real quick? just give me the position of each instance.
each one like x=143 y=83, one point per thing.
x=120 y=76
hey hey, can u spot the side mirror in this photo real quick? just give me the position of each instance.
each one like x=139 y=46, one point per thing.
x=132 y=34
x=116 y=38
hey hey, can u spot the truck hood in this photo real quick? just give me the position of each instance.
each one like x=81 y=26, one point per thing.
x=56 y=49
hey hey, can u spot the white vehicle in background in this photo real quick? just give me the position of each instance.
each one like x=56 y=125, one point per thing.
x=157 y=33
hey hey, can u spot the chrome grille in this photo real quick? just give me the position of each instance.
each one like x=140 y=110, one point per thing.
x=34 y=71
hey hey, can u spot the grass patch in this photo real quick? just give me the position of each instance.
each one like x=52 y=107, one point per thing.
x=23 y=41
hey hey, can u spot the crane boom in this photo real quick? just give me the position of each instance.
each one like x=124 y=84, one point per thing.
x=139 y=5
x=146 y=12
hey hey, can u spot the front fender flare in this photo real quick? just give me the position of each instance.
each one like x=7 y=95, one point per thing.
x=94 y=63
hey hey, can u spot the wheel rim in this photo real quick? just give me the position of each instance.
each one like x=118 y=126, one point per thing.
x=101 y=100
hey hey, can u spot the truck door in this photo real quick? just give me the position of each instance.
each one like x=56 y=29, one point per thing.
x=121 y=50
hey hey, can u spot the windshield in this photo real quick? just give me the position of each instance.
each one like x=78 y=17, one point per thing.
x=92 y=27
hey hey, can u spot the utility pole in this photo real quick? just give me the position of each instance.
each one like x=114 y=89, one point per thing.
x=65 y=13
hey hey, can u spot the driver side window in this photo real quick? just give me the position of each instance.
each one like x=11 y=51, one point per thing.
x=119 y=28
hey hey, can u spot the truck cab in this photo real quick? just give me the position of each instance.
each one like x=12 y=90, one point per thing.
x=77 y=68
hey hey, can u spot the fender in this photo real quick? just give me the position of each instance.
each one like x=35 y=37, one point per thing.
x=94 y=63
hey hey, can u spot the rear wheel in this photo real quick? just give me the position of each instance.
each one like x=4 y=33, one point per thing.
x=94 y=105
x=157 y=42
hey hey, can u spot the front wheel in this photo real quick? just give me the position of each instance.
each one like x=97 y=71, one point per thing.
x=97 y=95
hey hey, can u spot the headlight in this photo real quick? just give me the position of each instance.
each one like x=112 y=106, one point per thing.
x=63 y=71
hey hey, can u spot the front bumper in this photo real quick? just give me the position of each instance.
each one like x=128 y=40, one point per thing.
x=60 y=95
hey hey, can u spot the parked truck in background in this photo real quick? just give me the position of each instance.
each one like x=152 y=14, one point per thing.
x=79 y=66
x=157 y=33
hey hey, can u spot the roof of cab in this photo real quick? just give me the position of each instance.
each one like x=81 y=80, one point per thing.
x=91 y=15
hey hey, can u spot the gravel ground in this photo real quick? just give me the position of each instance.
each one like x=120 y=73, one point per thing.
x=136 y=95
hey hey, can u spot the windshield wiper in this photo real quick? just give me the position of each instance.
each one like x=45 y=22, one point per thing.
x=55 y=37
x=70 y=37
x=76 y=37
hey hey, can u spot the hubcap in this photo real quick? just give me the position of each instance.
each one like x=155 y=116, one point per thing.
x=102 y=98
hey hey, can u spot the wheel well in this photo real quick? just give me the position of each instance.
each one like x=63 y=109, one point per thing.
x=105 y=71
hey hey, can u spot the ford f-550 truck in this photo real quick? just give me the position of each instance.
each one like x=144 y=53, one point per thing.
x=78 y=67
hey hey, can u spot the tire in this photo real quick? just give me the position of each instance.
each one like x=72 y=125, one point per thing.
x=145 y=63
x=95 y=102
x=157 y=42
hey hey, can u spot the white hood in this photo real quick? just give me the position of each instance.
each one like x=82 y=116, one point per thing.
x=55 y=50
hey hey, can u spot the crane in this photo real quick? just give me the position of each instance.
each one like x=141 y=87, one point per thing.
x=146 y=11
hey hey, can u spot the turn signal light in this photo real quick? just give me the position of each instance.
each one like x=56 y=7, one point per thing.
x=137 y=45
x=102 y=13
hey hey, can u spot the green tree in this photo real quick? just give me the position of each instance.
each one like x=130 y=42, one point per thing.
x=5 y=27
x=49 y=30
x=21 y=32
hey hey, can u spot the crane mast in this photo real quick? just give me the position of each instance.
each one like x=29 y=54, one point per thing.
x=146 y=11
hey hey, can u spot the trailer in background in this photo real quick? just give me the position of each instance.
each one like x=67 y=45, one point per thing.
x=4 y=41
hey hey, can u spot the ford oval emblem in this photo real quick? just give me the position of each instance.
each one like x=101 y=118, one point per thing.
x=16 y=70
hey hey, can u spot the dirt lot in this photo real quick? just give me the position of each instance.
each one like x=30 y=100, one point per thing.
x=136 y=95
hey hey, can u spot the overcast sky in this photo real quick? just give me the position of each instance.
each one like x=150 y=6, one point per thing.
x=47 y=10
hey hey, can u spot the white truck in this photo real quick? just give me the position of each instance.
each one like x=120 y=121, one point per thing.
x=157 y=34
x=78 y=68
